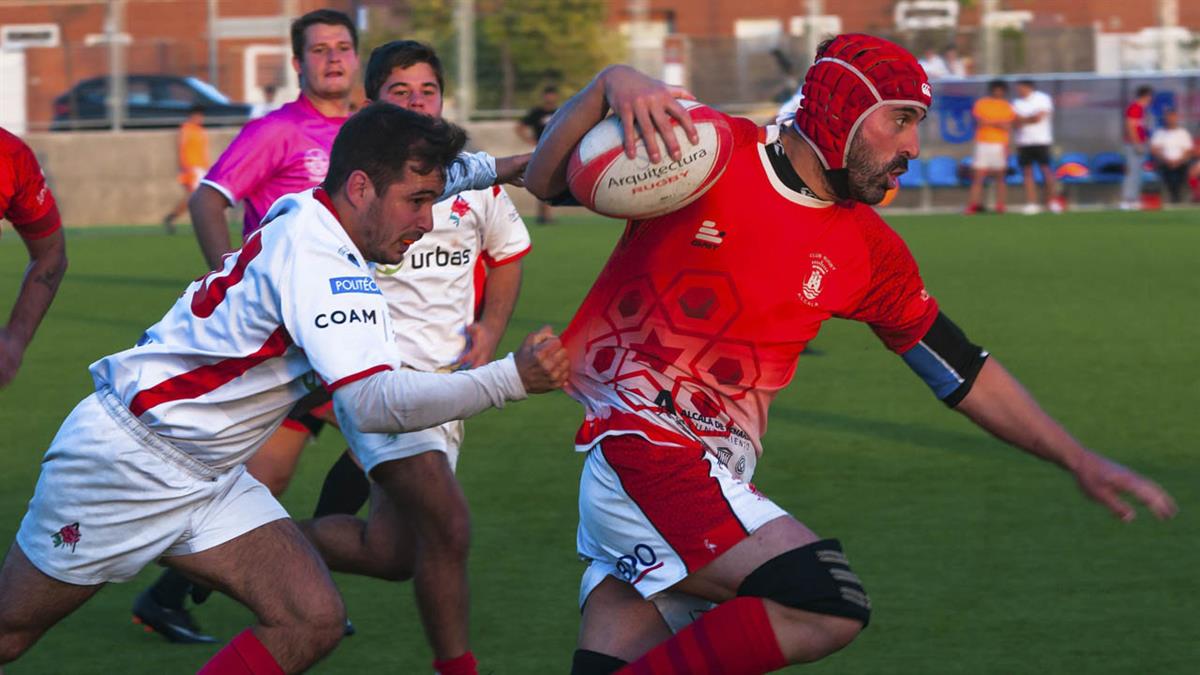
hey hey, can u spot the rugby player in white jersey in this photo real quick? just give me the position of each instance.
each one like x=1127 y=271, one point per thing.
x=150 y=465
x=419 y=524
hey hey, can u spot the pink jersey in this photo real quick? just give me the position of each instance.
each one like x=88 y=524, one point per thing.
x=283 y=152
x=699 y=317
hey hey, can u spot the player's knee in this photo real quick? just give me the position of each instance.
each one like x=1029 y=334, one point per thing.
x=821 y=601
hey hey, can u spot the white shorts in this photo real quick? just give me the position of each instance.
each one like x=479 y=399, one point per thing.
x=113 y=497
x=375 y=449
x=650 y=515
x=990 y=156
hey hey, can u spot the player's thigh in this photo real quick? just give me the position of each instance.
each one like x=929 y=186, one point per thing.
x=275 y=462
x=31 y=602
x=719 y=580
x=423 y=487
x=389 y=534
x=617 y=621
x=274 y=571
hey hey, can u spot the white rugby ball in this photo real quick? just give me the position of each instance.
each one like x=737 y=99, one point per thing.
x=606 y=181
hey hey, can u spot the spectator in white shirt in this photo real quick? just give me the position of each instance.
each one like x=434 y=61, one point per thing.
x=934 y=65
x=1034 y=136
x=1173 y=151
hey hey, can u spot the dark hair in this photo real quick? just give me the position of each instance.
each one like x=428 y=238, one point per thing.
x=399 y=54
x=997 y=84
x=1027 y=83
x=822 y=47
x=1144 y=90
x=328 y=17
x=382 y=139
x=196 y=108
x=550 y=89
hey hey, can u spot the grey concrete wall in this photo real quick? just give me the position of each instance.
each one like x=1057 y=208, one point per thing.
x=102 y=178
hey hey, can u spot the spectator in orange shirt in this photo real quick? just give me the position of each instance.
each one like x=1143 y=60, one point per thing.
x=193 y=161
x=994 y=118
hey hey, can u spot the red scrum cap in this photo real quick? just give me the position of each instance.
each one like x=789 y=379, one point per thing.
x=853 y=76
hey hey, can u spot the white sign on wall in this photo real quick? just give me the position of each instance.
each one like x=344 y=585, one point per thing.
x=17 y=36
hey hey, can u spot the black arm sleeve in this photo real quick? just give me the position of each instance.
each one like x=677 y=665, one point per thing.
x=946 y=360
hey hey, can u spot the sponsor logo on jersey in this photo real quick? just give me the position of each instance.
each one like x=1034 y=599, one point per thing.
x=821 y=267
x=440 y=257
x=340 y=285
x=458 y=209
x=708 y=236
x=340 y=317
x=643 y=558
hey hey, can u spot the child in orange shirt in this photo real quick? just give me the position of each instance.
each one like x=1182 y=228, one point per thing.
x=994 y=118
x=193 y=161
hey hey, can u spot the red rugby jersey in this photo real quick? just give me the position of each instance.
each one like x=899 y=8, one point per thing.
x=699 y=316
x=24 y=197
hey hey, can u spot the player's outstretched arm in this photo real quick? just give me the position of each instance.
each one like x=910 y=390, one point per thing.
x=641 y=102
x=207 y=207
x=998 y=403
x=47 y=265
x=397 y=401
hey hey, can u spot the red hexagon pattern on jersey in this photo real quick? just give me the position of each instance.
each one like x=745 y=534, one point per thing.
x=701 y=303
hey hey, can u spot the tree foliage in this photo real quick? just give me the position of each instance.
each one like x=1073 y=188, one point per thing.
x=520 y=45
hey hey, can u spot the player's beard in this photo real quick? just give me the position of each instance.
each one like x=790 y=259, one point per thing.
x=869 y=181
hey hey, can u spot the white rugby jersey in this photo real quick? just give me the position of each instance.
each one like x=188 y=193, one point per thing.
x=431 y=295
x=295 y=308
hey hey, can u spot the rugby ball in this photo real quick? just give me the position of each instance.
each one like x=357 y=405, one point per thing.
x=606 y=181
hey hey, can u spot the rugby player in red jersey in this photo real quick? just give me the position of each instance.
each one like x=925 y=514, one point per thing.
x=27 y=203
x=682 y=343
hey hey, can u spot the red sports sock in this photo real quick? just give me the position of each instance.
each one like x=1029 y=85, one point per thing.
x=244 y=655
x=736 y=638
x=459 y=665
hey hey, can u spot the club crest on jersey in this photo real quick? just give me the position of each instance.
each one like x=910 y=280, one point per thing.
x=821 y=267
x=340 y=285
x=67 y=536
x=458 y=209
x=708 y=236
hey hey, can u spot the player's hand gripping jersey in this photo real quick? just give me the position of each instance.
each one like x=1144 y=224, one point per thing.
x=699 y=316
x=432 y=295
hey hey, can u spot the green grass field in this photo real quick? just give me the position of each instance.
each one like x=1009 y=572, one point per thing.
x=978 y=558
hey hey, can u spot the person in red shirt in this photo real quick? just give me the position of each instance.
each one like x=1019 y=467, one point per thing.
x=684 y=340
x=1136 y=134
x=28 y=204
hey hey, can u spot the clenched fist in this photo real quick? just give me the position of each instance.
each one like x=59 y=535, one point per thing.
x=542 y=362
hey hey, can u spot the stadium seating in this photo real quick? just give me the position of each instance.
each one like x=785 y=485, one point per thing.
x=1107 y=167
x=1076 y=158
x=942 y=171
x=915 y=176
